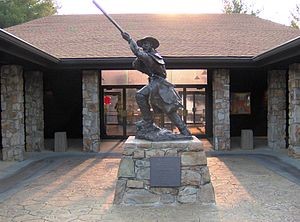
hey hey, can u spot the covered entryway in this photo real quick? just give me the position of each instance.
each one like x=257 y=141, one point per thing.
x=119 y=110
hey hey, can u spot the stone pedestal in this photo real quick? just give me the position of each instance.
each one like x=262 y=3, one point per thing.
x=247 y=139
x=60 y=142
x=134 y=187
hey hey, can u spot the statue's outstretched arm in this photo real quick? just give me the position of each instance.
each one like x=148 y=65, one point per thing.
x=134 y=47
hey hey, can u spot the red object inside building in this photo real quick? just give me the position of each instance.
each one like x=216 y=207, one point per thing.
x=107 y=100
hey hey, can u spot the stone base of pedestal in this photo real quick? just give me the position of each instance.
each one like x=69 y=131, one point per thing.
x=134 y=183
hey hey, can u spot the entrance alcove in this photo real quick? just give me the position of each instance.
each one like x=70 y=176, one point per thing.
x=120 y=111
x=63 y=108
x=251 y=82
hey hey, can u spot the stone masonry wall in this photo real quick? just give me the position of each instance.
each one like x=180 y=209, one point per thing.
x=294 y=110
x=90 y=110
x=34 y=111
x=277 y=109
x=12 y=116
x=221 y=109
x=134 y=176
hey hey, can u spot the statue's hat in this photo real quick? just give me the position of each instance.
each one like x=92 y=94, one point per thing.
x=153 y=41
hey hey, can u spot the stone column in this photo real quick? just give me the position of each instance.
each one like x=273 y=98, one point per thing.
x=294 y=110
x=12 y=104
x=34 y=111
x=277 y=109
x=221 y=109
x=90 y=110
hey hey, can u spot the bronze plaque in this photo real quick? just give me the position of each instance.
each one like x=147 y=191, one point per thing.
x=165 y=172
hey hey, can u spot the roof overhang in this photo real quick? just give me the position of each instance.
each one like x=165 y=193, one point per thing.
x=17 y=48
x=285 y=52
x=25 y=52
x=172 y=62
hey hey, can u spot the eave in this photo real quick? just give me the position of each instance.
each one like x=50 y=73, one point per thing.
x=288 y=51
x=25 y=52
x=172 y=62
x=15 y=47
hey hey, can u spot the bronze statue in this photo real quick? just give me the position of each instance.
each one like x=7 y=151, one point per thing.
x=159 y=94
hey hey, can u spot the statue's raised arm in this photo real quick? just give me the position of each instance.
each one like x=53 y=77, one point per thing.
x=133 y=45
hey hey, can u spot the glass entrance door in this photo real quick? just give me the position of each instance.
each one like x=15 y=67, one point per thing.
x=121 y=112
x=195 y=110
x=113 y=112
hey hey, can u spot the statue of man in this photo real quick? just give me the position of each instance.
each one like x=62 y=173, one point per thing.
x=159 y=93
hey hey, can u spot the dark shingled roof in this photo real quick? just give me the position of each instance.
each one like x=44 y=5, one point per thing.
x=188 y=35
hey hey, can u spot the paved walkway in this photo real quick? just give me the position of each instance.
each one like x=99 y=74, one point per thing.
x=80 y=187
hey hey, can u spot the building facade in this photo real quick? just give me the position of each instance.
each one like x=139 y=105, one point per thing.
x=78 y=78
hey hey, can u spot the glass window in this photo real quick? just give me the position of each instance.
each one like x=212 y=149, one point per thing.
x=123 y=77
x=134 y=77
x=187 y=76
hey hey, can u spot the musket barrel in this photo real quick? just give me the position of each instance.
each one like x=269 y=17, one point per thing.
x=107 y=16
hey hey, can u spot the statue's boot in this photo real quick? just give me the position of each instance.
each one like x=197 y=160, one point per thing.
x=148 y=125
x=175 y=118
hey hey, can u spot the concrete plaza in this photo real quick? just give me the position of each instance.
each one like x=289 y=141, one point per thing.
x=258 y=185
